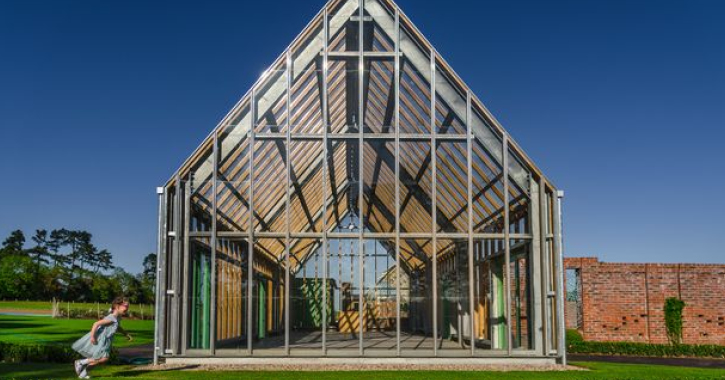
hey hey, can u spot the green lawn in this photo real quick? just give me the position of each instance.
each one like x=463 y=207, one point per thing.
x=25 y=305
x=47 y=306
x=22 y=329
x=604 y=371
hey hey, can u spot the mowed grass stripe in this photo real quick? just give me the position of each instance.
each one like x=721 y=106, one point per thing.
x=603 y=371
x=26 y=329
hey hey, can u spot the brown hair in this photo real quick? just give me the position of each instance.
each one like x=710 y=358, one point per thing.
x=118 y=301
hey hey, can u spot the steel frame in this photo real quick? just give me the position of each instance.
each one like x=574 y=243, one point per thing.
x=176 y=258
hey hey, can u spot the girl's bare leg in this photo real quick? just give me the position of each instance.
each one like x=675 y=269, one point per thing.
x=95 y=362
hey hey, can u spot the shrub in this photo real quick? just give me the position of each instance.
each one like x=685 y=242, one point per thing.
x=577 y=345
x=37 y=353
x=673 y=319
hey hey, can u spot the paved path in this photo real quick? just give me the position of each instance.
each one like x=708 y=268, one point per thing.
x=147 y=351
x=136 y=354
x=682 y=362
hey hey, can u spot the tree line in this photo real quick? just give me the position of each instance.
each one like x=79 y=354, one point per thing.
x=67 y=265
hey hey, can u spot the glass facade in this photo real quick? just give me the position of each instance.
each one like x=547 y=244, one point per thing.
x=359 y=201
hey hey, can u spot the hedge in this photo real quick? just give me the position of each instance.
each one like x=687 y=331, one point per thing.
x=577 y=345
x=37 y=353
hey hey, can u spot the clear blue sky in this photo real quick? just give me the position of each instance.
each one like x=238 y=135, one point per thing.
x=621 y=103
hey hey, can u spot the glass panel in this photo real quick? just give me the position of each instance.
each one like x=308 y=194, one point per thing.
x=519 y=289
x=487 y=191
x=380 y=31
x=454 y=317
x=380 y=96
x=306 y=186
x=270 y=185
x=199 y=293
x=268 y=296
x=450 y=106
x=306 y=98
x=343 y=95
x=379 y=186
x=343 y=268
x=232 y=260
x=233 y=178
x=343 y=211
x=307 y=293
x=379 y=297
x=416 y=298
x=271 y=101
x=415 y=77
x=201 y=191
x=452 y=187
x=519 y=201
x=414 y=99
x=489 y=302
x=343 y=32
x=415 y=186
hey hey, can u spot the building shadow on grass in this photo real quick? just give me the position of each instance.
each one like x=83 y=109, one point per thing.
x=141 y=372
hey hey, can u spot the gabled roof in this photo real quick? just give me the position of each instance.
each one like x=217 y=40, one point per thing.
x=305 y=99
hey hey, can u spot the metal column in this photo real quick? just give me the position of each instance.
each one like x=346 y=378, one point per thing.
x=559 y=239
x=434 y=196
x=396 y=73
x=507 y=243
x=288 y=168
x=160 y=244
x=325 y=118
x=361 y=172
x=212 y=312
x=250 y=255
x=469 y=185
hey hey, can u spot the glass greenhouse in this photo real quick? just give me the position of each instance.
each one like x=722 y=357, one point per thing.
x=359 y=201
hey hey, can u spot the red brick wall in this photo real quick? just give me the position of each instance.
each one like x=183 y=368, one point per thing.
x=624 y=302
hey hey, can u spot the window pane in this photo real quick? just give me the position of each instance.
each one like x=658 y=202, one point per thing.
x=416 y=303
x=306 y=92
x=489 y=300
x=379 y=297
x=231 y=293
x=379 y=186
x=487 y=191
x=268 y=296
x=343 y=268
x=379 y=34
x=307 y=268
x=451 y=106
x=233 y=179
x=519 y=288
x=380 y=96
x=199 y=293
x=343 y=211
x=454 y=317
x=200 y=187
x=415 y=186
x=271 y=101
x=270 y=185
x=452 y=187
x=342 y=95
x=306 y=191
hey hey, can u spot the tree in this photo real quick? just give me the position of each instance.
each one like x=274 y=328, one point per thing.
x=40 y=253
x=58 y=239
x=13 y=245
x=16 y=277
x=148 y=278
x=104 y=261
x=149 y=266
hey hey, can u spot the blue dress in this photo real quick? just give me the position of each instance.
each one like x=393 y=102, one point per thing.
x=104 y=340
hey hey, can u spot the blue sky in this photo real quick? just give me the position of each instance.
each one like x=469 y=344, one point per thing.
x=621 y=104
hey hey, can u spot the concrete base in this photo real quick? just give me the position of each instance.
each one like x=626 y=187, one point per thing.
x=428 y=362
